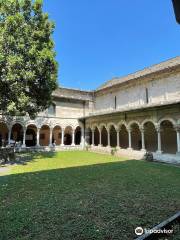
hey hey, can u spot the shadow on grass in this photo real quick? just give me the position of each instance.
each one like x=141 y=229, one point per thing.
x=101 y=201
x=26 y=157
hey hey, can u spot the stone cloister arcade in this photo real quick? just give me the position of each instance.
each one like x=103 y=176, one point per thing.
x=46 y=135
x=160 y=137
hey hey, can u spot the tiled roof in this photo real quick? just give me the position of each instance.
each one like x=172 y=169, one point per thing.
x=174 y=62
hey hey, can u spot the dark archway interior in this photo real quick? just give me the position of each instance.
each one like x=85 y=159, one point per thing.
x=150 y=137
x=136 y=137
x=123 y=137
x=17 y=133
x=89 y=136
x=67 y=139
x=96 y=137
x=3 y=134
x=78 y=136
x=113 y=136
x=104 y=136
x=57 y=135
x=168 y=137
x=30 y=137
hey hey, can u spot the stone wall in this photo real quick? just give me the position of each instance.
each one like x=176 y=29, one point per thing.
x=162 y=89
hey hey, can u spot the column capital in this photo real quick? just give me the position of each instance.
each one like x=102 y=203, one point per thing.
x=118 y=129
x=142 y=129
x=129 y=129
x=177 y=128
x=158 y=128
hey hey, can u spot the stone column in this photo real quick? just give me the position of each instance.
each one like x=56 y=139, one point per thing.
x=73 y=138
x=159 y=150
x=100 y=137
x=62 y=139
x=109 y=138
x=118 y=142
x=92 y=137
x=9 y=135
x=129 y=137
x=178 y=139
x=82 y=137
x=142 y=139
x=50 y=137
x=38 y=133
x=24 y=138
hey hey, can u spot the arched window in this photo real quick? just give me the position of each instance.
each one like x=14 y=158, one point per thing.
x=52 y=110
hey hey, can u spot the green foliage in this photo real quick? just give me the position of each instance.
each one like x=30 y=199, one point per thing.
x=28 y=69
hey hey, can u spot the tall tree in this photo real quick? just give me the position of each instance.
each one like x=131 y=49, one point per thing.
x=28 y=69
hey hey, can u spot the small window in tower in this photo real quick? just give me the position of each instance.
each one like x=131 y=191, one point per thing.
x=147 y=96
x=115 y=102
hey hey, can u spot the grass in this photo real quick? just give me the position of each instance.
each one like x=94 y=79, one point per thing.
x=83 y=195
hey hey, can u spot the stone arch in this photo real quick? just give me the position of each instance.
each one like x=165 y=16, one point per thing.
x=122 y=123
x=96 y=136
x=44 y=138
x=150 y=136
x=68 y=135
x=131 y=123
x=148 y=121
x=78 y=134
x=123 y=136
x=168 y=136
x=104 y=136
x=57 y=135
x=3 y=133
x=31 y=135
x=109 y=125
x=135 y=135
x=173 y=122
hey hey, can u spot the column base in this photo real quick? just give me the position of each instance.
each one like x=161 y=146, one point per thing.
x=50 y=145
x=23 y=146
x=159 y=152
x=99 y=145
x=143 y=150
x=129 y=149
x=178 y=153
x=62 y=145
x=73 y=145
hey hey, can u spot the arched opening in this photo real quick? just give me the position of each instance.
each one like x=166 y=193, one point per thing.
x=68 y=136
x=3 y=134
x=78 y=136
x=57 y=135
x=17 y=133
x=136 y=137
x=113 y=136
x=150 y=137
x=96 y=136
x=88 y=136
x=104 y=136
x=168 y=137
x=44 y=135
x=123 y=137
x=31 y=136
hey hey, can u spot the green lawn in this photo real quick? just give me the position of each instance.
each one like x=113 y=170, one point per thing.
x=83 y=195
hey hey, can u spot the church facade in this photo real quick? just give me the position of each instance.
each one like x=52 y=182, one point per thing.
x=134 y=114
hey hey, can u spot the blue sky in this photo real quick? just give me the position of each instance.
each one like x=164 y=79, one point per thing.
x=97 y=40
